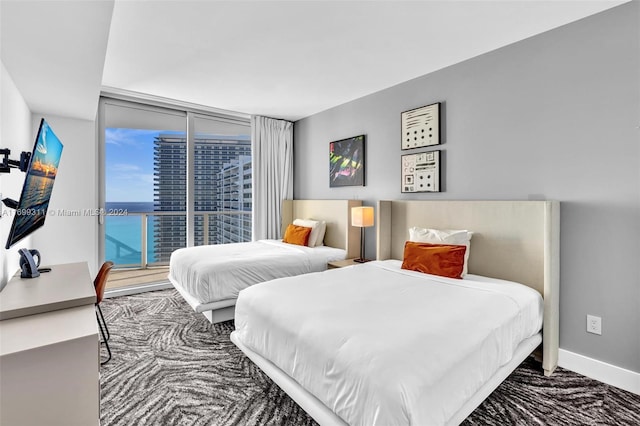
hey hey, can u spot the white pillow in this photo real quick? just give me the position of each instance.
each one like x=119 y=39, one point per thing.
x=444 y=236
x=321 y=232
x=316 y=230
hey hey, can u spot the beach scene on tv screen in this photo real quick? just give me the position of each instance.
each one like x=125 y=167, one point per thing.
x=38 y=185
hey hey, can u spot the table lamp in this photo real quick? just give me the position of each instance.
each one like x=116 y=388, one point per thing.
x=361 y=217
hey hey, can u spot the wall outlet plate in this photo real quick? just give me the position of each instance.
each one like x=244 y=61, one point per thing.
x=594 y=324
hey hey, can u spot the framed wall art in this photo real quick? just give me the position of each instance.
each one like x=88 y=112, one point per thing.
x=421 y=172
x=421 y=127
x=346 y=162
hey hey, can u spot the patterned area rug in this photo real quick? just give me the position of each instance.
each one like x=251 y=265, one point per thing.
x=170 y=366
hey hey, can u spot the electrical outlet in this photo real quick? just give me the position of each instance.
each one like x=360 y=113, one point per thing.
x=594 y=324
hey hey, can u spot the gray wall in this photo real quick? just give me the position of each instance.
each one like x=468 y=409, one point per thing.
x=16 y=133
x=70 y=234
x=555 y=116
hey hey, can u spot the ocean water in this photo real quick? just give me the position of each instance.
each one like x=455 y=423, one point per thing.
x=34 y=204
x=123 y=233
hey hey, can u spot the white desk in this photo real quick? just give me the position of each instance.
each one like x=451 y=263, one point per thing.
x=49 y=360
x=66 y=286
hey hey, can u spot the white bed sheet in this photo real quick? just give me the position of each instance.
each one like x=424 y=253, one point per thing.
x=379 y=345
x=218 y=272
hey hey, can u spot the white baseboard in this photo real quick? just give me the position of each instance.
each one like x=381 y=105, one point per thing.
x=126 y=291
x=601 y=371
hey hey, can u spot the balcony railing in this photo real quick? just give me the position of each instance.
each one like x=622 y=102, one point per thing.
x=147 y=239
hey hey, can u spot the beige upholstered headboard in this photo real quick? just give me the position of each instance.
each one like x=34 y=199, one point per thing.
x=512 y=240
x=337 y=214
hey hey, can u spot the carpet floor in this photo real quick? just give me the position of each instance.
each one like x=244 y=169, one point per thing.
x=170 y=366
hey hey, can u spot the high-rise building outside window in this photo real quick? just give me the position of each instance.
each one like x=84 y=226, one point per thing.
x=217 y=197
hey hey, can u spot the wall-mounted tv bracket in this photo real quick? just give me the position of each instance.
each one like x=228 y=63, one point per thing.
x=6 y=165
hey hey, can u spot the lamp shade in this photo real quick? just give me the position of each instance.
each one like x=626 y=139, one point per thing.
x=362 y=217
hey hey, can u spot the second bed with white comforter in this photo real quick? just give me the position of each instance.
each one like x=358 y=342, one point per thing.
x=218 y=272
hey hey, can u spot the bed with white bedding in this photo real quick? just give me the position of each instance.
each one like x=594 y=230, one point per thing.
x=210 y=277
x=374 y=344
x=379 y=345
x=216 y=273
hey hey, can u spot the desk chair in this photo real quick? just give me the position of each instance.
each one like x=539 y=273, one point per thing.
x=100 y=283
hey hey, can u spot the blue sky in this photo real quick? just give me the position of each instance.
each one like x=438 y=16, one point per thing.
x=49 y=147
x=129 y=164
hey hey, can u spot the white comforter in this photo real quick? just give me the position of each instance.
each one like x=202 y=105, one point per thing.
x=382 y=346
x=218 y=272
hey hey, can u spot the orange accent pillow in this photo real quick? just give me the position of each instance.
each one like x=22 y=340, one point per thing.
x=297 y=235
x=445 y=260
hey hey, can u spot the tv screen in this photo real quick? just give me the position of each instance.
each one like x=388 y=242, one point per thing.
x=38 y=184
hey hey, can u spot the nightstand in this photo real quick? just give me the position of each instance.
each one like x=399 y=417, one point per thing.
x=342 y=263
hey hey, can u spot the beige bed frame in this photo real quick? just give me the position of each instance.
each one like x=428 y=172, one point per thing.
x=339 y=234
x=337 y=213
x=512 y=240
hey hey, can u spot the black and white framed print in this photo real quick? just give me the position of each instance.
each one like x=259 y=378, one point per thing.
x=421 y=127
x=421 y=172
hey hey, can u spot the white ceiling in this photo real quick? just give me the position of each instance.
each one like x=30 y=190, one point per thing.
x=286 y=59
x=54 y=51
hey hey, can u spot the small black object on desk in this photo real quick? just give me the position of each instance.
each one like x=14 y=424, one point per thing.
x=28 y=264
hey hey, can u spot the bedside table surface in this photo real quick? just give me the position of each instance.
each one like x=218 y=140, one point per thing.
x=342 y=263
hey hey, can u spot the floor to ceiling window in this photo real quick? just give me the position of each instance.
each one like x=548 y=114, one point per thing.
x=171 y=178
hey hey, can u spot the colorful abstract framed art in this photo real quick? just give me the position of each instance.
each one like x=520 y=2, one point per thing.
x=346 y=162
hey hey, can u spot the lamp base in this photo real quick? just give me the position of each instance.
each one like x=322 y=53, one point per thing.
x=361 y=260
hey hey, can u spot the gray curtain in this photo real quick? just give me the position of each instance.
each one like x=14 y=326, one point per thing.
x=272 y=158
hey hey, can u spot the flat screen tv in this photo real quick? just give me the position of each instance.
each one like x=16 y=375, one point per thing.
x=32 y=207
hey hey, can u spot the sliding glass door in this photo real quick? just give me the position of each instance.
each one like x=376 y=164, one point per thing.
x=171 y=179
